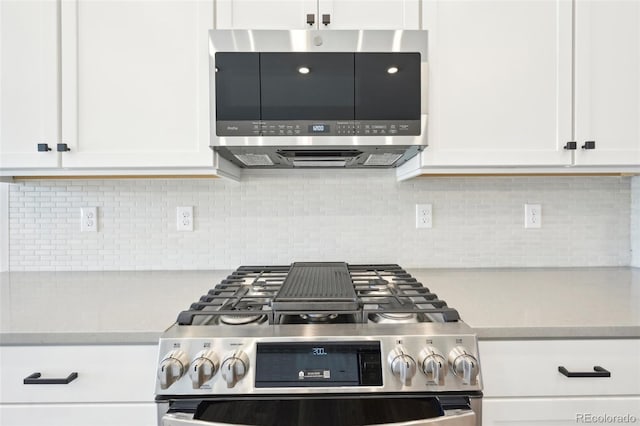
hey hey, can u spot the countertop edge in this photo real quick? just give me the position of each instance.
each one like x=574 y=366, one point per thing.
x=98 y=338
x=484 y=334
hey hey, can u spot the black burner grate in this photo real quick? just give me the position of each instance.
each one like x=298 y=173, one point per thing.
x=352 y=293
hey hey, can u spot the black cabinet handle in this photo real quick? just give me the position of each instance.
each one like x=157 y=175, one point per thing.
x=62 y=147
x=311 y=19
x=589 y=145
x=570 y=145
x=43 y=147
x=326 y=19
x=597 y=372
x=35 y=379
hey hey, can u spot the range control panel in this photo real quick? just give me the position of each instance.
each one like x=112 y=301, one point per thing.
x=318 y=128
x=236 y=365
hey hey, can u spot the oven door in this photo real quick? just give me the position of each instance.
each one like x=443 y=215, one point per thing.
x=350 y=411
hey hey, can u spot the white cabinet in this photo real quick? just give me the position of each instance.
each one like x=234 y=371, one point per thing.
x=558 y=411
x=135 y=83
x=125 y=85
x=29 y=109
x=318 y=14
x=607 y=81
x=500 y=82
x=115 y=385
x=522 y=384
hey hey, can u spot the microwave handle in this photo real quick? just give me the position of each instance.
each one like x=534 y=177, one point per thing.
x=311 y=19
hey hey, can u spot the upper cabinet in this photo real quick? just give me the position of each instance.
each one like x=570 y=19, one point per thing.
x=112 y=87
x=135 y=83
x=500 y=83
x=607 y=82
x=532 y=85
x=318 y=14
x=29 y=109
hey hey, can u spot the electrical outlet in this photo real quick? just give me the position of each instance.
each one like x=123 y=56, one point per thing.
x=532 y=216
x=89 y=219
x=184 y=217
x=424 y=216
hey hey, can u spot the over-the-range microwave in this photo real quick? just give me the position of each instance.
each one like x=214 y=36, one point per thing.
x=339 y=98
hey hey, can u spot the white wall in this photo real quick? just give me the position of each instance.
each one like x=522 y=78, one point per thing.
x=356 y=216
x=635 y=221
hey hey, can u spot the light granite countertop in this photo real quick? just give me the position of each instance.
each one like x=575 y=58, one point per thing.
x=136 y=307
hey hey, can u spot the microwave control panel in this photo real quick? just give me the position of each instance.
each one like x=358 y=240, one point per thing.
x=319 y=128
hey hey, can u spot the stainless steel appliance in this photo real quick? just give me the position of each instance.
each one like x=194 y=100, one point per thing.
x=319 y=344
x=340 y=98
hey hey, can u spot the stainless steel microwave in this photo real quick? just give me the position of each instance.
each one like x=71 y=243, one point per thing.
x=339 y=98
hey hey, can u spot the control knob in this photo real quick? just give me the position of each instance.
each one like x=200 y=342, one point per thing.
x=234 y=368
x=172 y=368
x=464 y=365
x=433 y=365
x=203 y=367
x=402 y=365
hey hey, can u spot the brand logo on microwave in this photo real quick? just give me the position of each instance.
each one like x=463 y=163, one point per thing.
x=232 y=128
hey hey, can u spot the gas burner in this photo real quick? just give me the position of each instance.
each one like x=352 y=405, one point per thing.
x=318 y=318
x=394 y=318
x=247 y=307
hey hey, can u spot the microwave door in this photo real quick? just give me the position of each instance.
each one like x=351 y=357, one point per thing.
x=312 y=88
x=388 y=92
x=237 y=82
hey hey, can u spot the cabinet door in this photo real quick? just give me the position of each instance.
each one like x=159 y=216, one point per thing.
x=342 y=14
x=559 y=411
x=135 y=83
x=266 y=14
x=607 y=80
x=28 y=83
x=140 y=414
x=500 y=82
x=370 y=14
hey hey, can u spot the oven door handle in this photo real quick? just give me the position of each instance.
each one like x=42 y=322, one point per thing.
x=466 y=418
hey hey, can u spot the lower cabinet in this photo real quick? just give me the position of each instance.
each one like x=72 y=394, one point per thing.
x=523 y=385
x=137 y=414
x=560 y=411
x=92 y=385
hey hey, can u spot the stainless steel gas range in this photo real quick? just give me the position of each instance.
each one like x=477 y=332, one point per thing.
x=319 y=344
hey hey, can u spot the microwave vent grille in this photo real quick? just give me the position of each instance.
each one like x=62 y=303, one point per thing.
x=255 y=159
x=382 y=159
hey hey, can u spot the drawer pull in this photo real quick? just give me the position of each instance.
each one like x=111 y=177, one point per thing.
x=597 y=372
x=34 y=379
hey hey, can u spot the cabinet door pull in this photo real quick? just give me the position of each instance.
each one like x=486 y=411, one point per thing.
x=589 y=145
x=43 y=147
x=35 y=379
x=570 y=145
x=326 y=19
x=62 y=147
x=597 y=372
x=311 y=18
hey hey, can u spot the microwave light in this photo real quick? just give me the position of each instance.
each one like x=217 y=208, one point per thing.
x=304 y=70
x=392 y=70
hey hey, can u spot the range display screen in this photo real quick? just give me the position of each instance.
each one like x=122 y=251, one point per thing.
x=318 y=364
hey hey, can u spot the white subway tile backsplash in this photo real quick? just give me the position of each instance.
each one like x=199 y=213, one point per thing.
x=356 y=216
x=635 y=221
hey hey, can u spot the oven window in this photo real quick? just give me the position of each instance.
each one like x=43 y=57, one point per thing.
x=349 y=411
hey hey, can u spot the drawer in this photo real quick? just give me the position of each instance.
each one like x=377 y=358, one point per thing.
x=530 y=368
x=560 y=411
x=114 y=373
x=141 y=414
